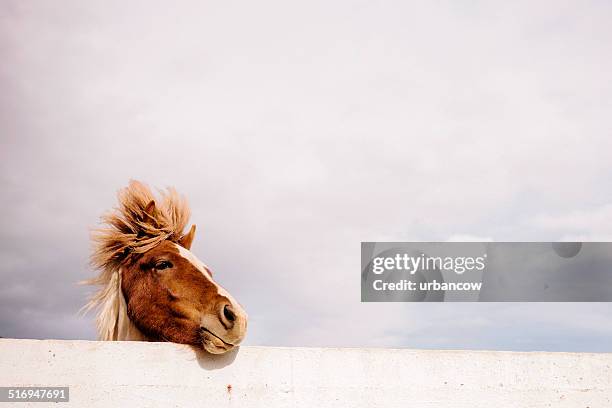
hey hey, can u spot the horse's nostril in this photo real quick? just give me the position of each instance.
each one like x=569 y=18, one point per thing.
x=229 y=313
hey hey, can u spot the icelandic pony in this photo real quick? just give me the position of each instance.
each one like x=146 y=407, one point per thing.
x=152 y=288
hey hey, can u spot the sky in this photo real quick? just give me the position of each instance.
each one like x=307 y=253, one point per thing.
x=297 y=130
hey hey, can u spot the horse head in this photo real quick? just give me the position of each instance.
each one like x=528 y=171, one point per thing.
x=153 y=287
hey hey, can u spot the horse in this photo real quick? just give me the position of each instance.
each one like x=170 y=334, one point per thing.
x=151 y=286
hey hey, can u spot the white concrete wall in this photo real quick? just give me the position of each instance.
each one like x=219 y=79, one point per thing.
x=168 y=375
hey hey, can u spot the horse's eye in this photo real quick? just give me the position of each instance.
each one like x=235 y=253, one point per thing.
x=163 y=265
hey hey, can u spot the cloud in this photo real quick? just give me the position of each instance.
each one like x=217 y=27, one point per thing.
x=468 y=238
x=298 y=131
x=593 y=224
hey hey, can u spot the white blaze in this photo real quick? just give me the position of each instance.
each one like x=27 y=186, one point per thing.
x=188 y=255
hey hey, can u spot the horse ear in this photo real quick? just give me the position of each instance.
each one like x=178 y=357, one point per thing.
x=149 y=213
x=187 y=239
x=150 y=209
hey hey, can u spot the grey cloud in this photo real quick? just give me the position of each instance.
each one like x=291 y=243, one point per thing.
x=298 y=131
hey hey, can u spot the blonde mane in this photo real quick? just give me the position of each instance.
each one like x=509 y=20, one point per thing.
x=137 y=225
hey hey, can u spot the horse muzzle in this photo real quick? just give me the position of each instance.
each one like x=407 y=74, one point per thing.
x=225 y=329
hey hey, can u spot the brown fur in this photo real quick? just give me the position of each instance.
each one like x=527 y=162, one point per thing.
x=151 y=288
x=139 y=224
x=166 y=305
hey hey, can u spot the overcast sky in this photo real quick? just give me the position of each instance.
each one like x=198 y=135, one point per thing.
x=298 y=130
